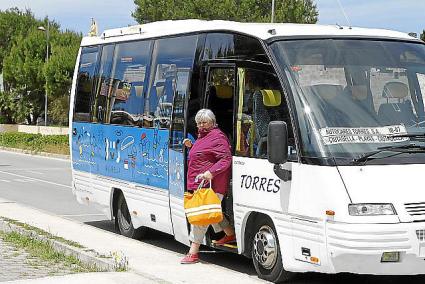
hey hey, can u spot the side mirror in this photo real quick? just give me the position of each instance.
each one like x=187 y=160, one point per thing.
x=277 y=142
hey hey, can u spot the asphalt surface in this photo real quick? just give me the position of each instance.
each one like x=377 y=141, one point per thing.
x=45 y=184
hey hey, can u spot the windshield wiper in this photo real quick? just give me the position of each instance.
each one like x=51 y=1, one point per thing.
x=408 y=135
x=408 y=148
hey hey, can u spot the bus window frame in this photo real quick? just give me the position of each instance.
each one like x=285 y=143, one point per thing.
x=207 y=66
x=96 y=67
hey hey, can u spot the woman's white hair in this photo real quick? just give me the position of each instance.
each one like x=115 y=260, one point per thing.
x=205 y=115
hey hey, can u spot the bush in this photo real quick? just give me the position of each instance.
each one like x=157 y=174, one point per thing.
x=58 y=110
x=35 y=142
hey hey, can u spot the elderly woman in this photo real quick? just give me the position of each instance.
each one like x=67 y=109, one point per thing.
x=209 y=159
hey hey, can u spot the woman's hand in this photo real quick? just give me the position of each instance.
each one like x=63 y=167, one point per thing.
x=187 y=143
x=207 y=176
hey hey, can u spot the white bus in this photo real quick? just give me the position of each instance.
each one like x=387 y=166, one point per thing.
x=326 y=124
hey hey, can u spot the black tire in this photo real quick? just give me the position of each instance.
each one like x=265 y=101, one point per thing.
x=123 y=221
x=266 y=254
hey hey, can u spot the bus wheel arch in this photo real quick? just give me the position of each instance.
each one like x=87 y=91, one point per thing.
x=123 y=219
x=114 y=201
x=262 y=244
x=248 y=233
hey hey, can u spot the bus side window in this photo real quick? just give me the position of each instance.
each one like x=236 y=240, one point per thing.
x=85 y=78
x=103 y=86
x=125 y=104
x=171 y=57
x=260 y=102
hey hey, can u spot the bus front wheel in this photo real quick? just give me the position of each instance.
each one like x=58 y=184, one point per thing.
x=266 y=254
x=123 y=221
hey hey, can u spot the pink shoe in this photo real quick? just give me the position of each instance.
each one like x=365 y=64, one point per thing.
x=225 y=240
x=190 y=258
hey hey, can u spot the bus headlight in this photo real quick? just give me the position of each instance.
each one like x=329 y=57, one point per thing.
x=371 y=209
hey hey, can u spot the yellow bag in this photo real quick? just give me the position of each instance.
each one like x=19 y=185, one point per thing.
x=203 y=207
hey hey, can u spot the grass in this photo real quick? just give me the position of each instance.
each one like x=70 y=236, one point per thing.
x=41 y=232
x=45 y=252
x=57 y=144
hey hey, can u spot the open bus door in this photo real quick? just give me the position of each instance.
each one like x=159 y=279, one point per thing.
x=177 y=158
x=220 y=98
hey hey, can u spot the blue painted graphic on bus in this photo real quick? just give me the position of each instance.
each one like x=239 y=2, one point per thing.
x=176 y=173
x=133 y=154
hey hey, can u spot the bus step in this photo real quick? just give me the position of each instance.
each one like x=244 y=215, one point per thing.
x=226 y=247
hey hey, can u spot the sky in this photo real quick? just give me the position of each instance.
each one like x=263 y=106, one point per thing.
x=400 y=15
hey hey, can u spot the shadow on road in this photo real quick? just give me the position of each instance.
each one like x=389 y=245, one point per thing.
x=244 y=265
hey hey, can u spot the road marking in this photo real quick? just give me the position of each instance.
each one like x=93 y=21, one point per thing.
x=81 y=215
x=37 y=179
x=36 y=156
x=22 y=180
x=39 y=169
x=34 y=172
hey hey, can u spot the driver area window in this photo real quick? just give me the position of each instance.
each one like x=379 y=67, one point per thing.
x=260 y=100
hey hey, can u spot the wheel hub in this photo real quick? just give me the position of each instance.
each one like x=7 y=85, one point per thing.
x=260 y=247
x=265 y=250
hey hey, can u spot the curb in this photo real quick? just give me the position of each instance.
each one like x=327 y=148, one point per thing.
x=86 y=256
x=35 y=153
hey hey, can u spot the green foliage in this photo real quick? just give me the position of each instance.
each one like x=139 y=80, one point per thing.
x=423 y=35
x=294 y=11
x=27 y=75
x=13 y=22
x=7 y=108
x=61 y=64
x=23 y=71
x=59 y=110
x=35 y=142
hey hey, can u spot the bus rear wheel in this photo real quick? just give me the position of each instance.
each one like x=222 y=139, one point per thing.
x=123 y=221
x=266 y=254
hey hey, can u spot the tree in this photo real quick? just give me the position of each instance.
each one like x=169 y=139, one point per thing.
x=297 y=11
x=423 y=35
x=27 y=75
x=23 y=71
x=58 y=73
x=294 y=11
x=7 y=108
x=58 y=110
x=60 y=69
x=14 y=23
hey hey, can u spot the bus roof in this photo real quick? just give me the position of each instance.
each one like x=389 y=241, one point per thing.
x=260 y=30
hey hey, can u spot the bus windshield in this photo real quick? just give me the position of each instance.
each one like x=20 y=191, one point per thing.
x=355 y=96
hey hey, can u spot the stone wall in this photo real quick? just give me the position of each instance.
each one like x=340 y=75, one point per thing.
x=45 y=130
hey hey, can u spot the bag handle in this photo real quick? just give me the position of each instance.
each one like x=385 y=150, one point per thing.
x=202 y=184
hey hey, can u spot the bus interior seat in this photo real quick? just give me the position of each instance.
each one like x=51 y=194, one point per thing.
x=331 y=100
x=398 y=111
x=362 y=112
x=266 y=108
x=221 y=103
x=359 y=95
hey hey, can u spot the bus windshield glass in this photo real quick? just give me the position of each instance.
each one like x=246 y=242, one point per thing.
x=355 y=96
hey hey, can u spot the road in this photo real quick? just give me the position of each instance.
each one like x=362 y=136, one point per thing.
x=45 y=184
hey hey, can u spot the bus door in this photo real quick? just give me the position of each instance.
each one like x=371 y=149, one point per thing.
x=220 y=98
x=177 y=159
x=219 y=95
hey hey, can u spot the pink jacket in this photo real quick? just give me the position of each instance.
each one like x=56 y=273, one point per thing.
x=210 y=152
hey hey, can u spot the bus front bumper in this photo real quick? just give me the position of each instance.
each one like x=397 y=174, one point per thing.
x=359 y=248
